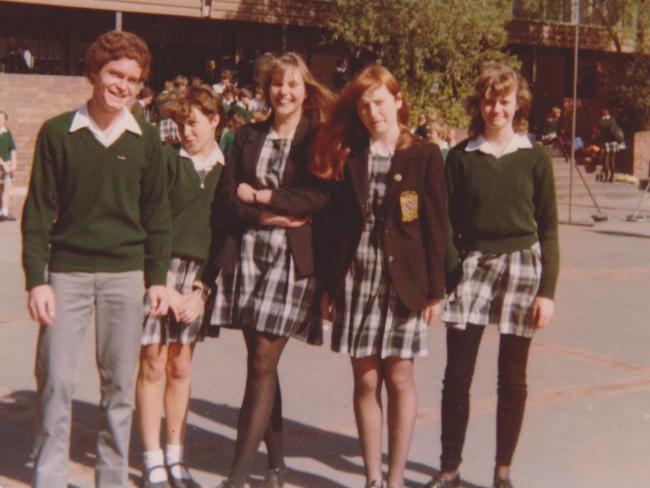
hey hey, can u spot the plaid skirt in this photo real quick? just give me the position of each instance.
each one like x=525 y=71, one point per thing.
x=496 y=289
x=369 y=318
x=262 y=293
x=164 y=330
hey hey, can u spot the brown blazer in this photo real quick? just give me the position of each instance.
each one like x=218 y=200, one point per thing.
x=414 y=234
x=301 y=194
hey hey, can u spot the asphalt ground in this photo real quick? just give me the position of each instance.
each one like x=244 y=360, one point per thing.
x=588 y=416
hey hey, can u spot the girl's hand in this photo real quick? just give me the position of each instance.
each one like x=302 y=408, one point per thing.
x=245 y=193
x=175 y=299
x=325 y=306
x=191 y=307
x=543 y=309
x=432 y=311
x=287 y=221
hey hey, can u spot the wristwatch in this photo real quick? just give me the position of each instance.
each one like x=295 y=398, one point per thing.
x=203 y=288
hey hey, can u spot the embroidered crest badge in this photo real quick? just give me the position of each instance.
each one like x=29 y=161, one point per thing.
x=408 y=201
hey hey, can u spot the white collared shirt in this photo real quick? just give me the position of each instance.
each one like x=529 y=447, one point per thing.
x=3 y=129
x=200 y=164
x=125 y=121
x=518 y=141
x=274 y=136
x=378 y=148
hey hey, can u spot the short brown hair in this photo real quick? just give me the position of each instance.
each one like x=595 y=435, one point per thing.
x=202 y=97
x=498 y=80
x=114 y=45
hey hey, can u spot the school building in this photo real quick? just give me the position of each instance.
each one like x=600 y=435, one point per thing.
x=184 y=34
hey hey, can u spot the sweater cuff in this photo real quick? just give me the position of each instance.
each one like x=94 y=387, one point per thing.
x=35 y=277
x=155 y=274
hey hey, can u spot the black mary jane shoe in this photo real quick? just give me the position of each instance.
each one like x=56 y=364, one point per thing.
x=181 y=482
x=146 y=478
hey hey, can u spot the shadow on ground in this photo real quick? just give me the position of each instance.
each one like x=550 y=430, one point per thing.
x=206 y=450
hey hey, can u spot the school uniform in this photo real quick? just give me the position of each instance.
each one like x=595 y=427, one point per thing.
x=383 y=250
x=265 y=281
x=7 y=146
x=192 y=182
x=504 y=247
x=96 y=228
x=503 y=253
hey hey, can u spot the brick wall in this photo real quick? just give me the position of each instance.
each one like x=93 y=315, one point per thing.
x=32 y=99
x=641 y=154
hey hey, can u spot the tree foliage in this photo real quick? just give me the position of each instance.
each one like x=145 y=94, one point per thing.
x=436 y=48
x=624 y=21
x=632 y=95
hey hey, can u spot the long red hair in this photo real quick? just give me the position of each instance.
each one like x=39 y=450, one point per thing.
x=343 y=130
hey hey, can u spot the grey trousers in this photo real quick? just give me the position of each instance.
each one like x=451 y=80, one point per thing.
x=116 y=299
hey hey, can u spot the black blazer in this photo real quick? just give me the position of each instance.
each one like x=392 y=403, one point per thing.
x=414 y=234
x=301 y=194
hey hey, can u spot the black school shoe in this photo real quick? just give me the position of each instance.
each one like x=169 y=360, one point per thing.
x=147 y=483
x=502 y=483
x=438 y=482
x=274 y=478
x=181 y=482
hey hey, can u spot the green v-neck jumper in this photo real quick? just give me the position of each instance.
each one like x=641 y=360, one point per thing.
x=503 y=205
x=191 y=199
x=92 y=208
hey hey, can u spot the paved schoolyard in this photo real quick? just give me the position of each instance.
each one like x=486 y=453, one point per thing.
x=587 y=424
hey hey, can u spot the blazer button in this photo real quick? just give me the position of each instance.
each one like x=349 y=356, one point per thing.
x=386 y=232
x=391 y=259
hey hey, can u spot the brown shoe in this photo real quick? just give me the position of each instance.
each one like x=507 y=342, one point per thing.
x=274 y=478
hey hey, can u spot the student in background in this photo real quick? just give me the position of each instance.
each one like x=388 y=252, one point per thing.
x=8 y=164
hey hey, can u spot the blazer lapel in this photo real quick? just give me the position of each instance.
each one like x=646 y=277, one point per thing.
x=294 y=152
x=398 y=170
x=357 y=164
x=253 y=148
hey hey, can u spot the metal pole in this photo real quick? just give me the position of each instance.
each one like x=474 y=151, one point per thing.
x=576 y=19
x=118 y=21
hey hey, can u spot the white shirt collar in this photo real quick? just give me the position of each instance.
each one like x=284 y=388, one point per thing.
x=3 y=129
x=215 y=157
x=126 y=121
x=274 y=136
x=378 y=148
x=518 y=141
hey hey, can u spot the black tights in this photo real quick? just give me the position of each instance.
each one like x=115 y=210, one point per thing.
x=260 y=416
x=462 y=349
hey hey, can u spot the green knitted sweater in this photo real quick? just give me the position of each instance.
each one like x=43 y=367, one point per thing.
x=93 y=208
x=503 y=205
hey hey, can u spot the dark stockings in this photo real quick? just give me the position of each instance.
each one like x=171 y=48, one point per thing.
x=462 y=350
x=260 y=416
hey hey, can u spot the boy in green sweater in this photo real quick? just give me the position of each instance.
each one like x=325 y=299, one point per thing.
x=96 y=232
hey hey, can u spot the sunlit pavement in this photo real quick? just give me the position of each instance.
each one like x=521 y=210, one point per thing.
x=588 y=418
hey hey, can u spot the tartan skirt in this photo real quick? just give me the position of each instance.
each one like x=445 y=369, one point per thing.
x=369 y=318
x=496 y=289
x=164 y=330
x=262 y=293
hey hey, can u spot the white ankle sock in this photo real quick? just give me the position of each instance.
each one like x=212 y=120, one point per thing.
x=155 y=458
x=173 y=455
